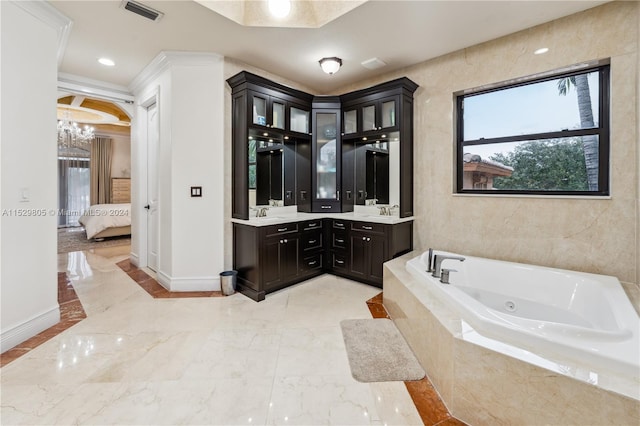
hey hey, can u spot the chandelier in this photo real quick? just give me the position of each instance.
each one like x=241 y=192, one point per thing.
x=70 y=135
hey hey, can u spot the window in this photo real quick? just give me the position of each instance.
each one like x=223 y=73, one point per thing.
x=546 y=136
x=73 y=188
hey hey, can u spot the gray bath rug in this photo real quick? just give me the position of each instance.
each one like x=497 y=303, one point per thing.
x=378 y=353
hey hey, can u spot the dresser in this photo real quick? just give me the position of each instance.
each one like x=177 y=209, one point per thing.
x=120 y=190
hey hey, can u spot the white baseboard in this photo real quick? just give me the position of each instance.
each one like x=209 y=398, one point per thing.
x=188 y=283
x=28 y=329
x=134 y=259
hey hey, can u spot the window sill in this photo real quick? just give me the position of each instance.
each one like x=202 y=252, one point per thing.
x=549 y=197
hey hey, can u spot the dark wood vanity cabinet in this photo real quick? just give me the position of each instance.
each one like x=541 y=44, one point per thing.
x=358 y=249
x=272 y=257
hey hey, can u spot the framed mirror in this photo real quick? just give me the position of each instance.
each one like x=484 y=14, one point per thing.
x=377 y=171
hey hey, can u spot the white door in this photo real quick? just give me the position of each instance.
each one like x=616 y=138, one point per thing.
x=153 y=133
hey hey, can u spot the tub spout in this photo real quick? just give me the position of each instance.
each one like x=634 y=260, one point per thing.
x=437 y=263
x=430 y=265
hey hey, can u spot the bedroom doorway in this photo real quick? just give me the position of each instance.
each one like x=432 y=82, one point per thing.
x=153 y=133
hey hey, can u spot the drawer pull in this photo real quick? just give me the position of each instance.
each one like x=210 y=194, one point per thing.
x=340 y=262
x=325 y=207
x=312 y=241
x=313 y=225
x=282 y=229
x=339 y=224
x=368 y=228
x=312 y=263
x=338 y=240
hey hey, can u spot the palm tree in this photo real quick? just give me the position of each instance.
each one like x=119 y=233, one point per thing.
x=590 y=142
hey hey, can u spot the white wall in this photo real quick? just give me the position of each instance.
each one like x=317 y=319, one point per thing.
x=191 y=88
x=28 y=282
x=120 y=156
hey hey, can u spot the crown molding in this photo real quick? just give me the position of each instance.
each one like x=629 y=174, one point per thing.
x=51 y=16
x=167 y=59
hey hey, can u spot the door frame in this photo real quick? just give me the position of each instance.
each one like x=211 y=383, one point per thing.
x=139 y=168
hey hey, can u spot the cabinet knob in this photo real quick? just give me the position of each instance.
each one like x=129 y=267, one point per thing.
x=364 y=238
x=368 y=239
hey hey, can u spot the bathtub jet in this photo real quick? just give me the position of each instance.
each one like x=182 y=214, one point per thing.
x=587 y=318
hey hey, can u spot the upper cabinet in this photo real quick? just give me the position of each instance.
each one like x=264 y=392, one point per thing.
x=371 y=116
x=378 y=122
x=324 y=153
x=276 y=113
x=271 y=138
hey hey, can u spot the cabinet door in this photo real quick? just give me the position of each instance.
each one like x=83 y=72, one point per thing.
x=259 y=108
x=369 y=117
x=388 y=108
x=289 y=257
x=377 y=246
x=326 y=161
x=350 y=121
x=278 y=116
x=271 y=264
x=358 y=265
x=299 y=119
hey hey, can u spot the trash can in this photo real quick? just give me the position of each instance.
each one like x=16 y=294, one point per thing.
x=228 y=282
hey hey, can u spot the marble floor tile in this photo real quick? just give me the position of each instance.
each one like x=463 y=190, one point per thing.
x=137 y=359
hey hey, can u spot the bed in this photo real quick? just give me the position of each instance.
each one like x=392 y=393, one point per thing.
x=107 y=220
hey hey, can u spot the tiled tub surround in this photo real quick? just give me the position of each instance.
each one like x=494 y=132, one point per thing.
x=482 y=385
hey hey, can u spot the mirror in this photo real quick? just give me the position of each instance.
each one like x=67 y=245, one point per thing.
x=266 y=169
x=378 y=170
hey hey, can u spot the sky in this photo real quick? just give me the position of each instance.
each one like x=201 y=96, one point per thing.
x=534 y=108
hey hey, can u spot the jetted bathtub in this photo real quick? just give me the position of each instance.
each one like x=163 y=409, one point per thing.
x=585 y=317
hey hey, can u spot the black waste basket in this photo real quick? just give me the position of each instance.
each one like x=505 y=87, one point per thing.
x=228 y=282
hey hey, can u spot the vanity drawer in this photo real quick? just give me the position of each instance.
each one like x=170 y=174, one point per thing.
x=283 y=228
x=339 y=239
x=311 y=240
x=339 y=224
x=339 y=261
x=312 y=224
x=311 y=263
x=368 y=226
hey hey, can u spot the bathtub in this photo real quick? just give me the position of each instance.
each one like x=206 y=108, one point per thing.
x=582 y=317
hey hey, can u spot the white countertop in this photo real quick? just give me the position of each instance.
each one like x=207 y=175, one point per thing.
x=279 y=215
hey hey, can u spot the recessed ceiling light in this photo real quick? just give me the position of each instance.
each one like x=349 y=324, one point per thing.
x=106 y=62
x=541 y=51
x=279 y=8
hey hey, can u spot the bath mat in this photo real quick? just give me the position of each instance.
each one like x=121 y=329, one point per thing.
x=378 y=353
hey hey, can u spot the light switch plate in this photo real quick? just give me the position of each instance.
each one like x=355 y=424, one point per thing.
x=196 y=191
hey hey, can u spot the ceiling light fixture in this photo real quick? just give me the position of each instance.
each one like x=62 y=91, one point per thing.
x=541 y=51
x=330 y=65
x=106 y=62
x=279 y=8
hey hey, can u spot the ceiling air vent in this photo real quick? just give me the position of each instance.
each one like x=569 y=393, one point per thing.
x=142 y=10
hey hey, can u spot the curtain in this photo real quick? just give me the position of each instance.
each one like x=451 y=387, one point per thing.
x=101 y=170
x=73 y=185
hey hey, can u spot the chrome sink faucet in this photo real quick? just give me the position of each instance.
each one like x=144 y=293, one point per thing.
x=437 y=262
x=261 y=211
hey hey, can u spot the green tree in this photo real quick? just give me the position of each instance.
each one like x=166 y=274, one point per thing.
x=581 y=83
x=550 y=165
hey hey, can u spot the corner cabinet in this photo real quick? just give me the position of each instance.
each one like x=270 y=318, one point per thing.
x=328 y=167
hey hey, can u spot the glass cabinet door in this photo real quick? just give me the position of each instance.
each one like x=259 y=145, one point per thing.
x=298 y=120
x=350 y=120
x=259 y=110
x=369 y=118
x=326 y=156
x=388 y=114
x=277 y=112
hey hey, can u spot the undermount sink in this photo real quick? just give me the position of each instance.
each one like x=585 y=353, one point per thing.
x=267 y=218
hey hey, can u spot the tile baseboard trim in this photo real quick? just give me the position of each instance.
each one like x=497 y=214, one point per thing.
x=188 y=283
x=29 y=328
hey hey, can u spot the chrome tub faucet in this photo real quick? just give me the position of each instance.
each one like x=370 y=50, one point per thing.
x=437 y=263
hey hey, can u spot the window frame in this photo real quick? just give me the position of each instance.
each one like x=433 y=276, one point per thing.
x=602 y=131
